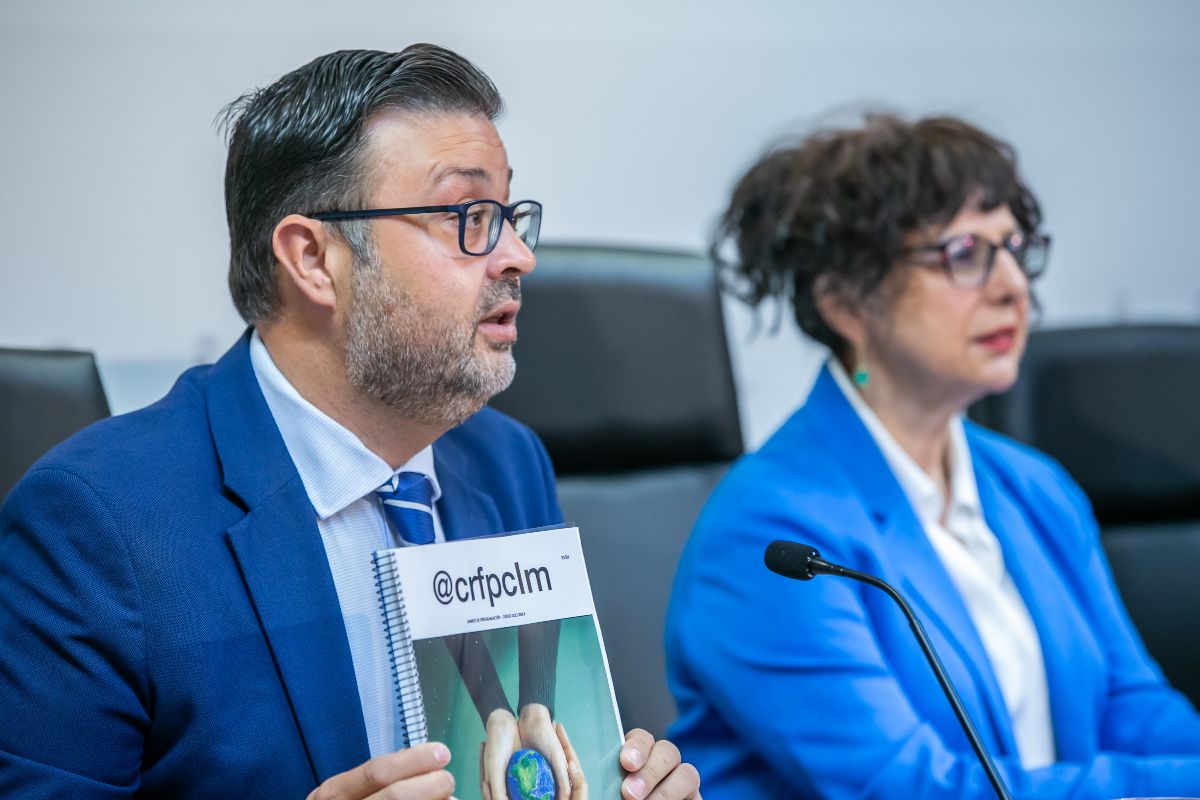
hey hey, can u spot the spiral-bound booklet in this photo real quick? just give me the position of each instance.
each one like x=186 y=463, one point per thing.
x=496 y=652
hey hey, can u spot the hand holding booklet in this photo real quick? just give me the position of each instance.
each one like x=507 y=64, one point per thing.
x=496 y=652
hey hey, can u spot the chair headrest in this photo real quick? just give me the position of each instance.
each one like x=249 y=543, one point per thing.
x=622 y=362
x=45 y=396
x=1119 y=407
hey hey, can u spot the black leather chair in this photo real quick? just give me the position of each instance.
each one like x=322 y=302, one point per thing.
x=45 y=396
x=1119 y=407
x=623 y=370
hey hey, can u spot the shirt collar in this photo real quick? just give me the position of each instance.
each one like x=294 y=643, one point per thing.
x=922 y=492
x=335 y=467
x=964 y=494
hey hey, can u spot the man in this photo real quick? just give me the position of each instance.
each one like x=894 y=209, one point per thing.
x=186 y=597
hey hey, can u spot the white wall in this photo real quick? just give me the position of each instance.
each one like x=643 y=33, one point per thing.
x=629 y=120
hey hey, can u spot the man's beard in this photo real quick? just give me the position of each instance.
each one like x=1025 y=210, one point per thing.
x=416 y=360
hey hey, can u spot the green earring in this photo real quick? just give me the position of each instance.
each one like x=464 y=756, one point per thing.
x=861 y=376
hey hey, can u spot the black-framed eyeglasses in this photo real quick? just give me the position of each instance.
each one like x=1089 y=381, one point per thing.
x=968 y=259
x=479 y=221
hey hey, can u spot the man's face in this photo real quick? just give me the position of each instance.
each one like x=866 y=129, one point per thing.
x=430 y=330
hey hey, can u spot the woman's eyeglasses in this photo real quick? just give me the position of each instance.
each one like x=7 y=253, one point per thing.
x=968 y=259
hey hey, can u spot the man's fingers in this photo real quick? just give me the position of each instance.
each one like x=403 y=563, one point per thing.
x=662 y=776
x=683 y=783
x=382 y=771
x=657 y=764
x=637 y=746
x=429 y=786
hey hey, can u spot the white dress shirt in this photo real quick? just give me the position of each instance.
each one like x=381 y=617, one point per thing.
x=972 y=556
x=340 y=476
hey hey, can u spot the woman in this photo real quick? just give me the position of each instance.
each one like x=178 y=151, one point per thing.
x=907 y=249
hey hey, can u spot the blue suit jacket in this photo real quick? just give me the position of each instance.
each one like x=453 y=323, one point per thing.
x=790 y=689
x=170 y=626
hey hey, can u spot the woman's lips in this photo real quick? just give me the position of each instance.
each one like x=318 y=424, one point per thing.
x=1000 y=340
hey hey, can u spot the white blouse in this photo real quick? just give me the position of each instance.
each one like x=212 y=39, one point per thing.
x=971 y=555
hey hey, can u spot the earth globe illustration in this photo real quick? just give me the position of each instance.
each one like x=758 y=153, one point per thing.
x=530 y=777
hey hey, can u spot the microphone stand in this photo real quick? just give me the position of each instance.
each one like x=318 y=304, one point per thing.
x=813 y=564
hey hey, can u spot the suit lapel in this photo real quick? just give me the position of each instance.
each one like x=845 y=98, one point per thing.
x=465 y=511
x=282 y=561
x=285 y=570
x=939 y=605
x=1054 y=613
x=912 y=563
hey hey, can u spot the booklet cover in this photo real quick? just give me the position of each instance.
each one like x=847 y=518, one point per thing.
x=496 y=652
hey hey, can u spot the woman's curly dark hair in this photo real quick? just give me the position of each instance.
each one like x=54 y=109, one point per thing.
x=839 y=205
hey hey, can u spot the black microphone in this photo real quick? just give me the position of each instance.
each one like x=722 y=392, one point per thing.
x=801 y=562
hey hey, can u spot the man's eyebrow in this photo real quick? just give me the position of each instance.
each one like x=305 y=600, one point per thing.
x=449 y=173
x=471 y=173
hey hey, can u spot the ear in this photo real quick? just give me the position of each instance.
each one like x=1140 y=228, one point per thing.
x=844 y=317
x=310 y=259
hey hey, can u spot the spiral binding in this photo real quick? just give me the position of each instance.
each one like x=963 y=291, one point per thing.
x=405 y=679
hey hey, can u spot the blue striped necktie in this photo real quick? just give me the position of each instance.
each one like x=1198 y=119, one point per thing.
x=408 y=502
